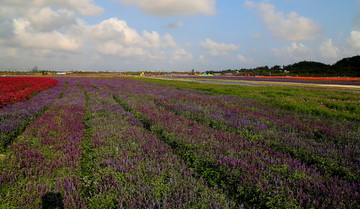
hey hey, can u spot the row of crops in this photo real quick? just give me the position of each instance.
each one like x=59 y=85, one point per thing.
x=122 y=143
x=303 y=80
x=14 y=89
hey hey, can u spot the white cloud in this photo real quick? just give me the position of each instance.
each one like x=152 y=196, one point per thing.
x=84 y=7
x=174 y=7
x=257 y=36
x=356 y=21
x=113 y=29
x=181 y=55
x=153 y=40
x=290 y=27
x=45 y=19
x=9 y=52
x=294 y=52
x=217 y=49
x=6 y=30
x=113 y=48
x=25 y=36
x=34 y=24
x=115 y=37
x=174 y=25
x=8 y=12
x=328 y=50
x=354 y=39
x=243 y=59
x=43 y=32
x=169 y=41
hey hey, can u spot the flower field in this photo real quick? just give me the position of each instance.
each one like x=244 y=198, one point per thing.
x=127 y=143
x=19 y=89
x=282 y=79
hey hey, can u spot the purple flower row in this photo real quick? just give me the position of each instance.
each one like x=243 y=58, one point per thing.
x=16 y=117
x=44 y=160
x=134 y=169
x=114 y=162
x=278 y=176
x=331 y=140
x=274 y=80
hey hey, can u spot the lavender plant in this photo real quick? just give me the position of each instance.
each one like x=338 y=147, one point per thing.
x=254 y=172
x=14 y=118
x=126 y=166
x=120 y=143
x=45 y=158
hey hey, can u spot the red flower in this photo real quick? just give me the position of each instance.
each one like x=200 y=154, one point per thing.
x=14 y=90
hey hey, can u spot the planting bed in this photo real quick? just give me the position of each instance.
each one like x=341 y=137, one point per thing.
x=304 y=80
x=19 y=89
x=142 y=143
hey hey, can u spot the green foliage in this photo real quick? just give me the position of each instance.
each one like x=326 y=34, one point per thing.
x=348 y=66
x=345 y=67
x=282 y=169
x=327 y=165
x=301 y=100
x=280 y=200
x=103 y=200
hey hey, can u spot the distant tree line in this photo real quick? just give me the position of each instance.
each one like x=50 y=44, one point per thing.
x=349 y=67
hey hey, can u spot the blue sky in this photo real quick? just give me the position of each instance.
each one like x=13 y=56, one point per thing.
x=175 y=35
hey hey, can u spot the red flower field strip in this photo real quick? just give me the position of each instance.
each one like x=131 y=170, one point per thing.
x=19 y=89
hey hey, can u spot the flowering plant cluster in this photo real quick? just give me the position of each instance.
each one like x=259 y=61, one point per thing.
x=126 y=166
x=279 y=79
x=263 y=156
x=122 y=143
x=44 y=161
x=14 y=118
x=19 y=89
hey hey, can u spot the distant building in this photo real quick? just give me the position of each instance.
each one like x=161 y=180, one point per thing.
x=35 y=69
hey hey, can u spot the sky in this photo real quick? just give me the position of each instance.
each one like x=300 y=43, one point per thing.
x=175 y=35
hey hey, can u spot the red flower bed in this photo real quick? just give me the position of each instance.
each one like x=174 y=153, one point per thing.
x=314 y=78
x=14 y=90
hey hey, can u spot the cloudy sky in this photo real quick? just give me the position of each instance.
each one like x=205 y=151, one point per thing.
x=175 y=35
